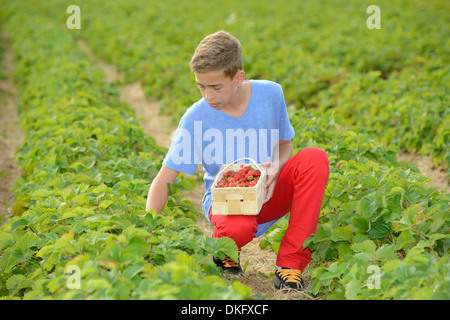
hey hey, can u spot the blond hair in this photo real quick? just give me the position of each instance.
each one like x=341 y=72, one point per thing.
x=218 y=51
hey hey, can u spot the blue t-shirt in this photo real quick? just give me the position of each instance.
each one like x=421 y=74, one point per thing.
x=212 y=137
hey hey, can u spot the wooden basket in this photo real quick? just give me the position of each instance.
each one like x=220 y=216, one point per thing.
x=237 y=200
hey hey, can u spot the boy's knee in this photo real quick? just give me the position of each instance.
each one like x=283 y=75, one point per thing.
x=314 y=159
x=313 y=153
x=312 y=156
x=240 y=228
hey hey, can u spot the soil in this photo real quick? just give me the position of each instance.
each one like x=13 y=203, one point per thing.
x=11 y=135
x=425 y=165
x=258 y=264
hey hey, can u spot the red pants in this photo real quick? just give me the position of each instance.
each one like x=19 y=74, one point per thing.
x=299 y=190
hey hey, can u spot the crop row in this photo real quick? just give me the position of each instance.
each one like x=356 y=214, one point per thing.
x=382 y=233
x=80 y=230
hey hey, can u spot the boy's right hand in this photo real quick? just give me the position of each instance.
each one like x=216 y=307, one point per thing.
x=159 y=192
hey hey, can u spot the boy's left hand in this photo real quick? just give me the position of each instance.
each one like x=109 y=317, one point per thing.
x=273 y=172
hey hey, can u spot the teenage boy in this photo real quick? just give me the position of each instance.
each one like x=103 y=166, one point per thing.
x=240 y=118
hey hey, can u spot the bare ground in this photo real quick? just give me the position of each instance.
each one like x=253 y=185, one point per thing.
x=425 y=165
x=11 y=135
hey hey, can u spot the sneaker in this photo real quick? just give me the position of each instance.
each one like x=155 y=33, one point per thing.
x=288 y=279
x=230 y=266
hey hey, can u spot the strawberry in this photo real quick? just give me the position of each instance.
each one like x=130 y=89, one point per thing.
x=245 y=177
x=228 y=174
x=252 y=183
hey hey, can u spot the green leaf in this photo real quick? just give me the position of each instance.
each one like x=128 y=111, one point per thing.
x=352 y=289
x=323 y=233
x=50 y=202
x=395 y=191
x=368 y=205
x=242 y=290
x=333 y=271
x=367 y=246
x=429 y=243
x=405 y=239
x=6 y=240
x=342 y=234
x=343 y=248
x=97 y=284
x=361 y=223
x=264 y=244
x=132 y=271
x=19 y=223
x=416 y=254
x=105 y=204
x=379 y=229
x=386 y=252
x=18 y=282
x=225 y=246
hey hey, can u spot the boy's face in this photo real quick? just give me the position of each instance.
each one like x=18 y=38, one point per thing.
x=217 y=89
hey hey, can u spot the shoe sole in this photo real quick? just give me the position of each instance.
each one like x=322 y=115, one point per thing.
x=278 y=284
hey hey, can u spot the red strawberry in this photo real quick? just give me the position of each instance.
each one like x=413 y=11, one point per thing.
x=245 y=177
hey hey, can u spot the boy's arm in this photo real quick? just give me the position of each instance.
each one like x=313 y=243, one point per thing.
x=158 y=192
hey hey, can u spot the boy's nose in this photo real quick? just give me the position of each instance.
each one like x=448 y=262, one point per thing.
x=208 y=94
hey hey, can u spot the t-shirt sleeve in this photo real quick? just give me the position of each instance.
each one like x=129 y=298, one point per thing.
x=184 y=148
x=286 y=130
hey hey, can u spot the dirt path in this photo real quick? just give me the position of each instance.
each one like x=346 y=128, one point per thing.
x=11 y=135
x=437 y=175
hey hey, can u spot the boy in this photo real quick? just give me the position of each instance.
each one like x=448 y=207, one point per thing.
x=238 y=118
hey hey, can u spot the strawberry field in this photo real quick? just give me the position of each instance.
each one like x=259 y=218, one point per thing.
x=78 y=228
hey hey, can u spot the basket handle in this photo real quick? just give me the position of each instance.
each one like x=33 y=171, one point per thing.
x=235 y=161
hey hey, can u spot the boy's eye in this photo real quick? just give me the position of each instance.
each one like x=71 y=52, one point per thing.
x=214 y=88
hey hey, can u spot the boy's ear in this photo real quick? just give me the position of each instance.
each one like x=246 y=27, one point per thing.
x=240 y=77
